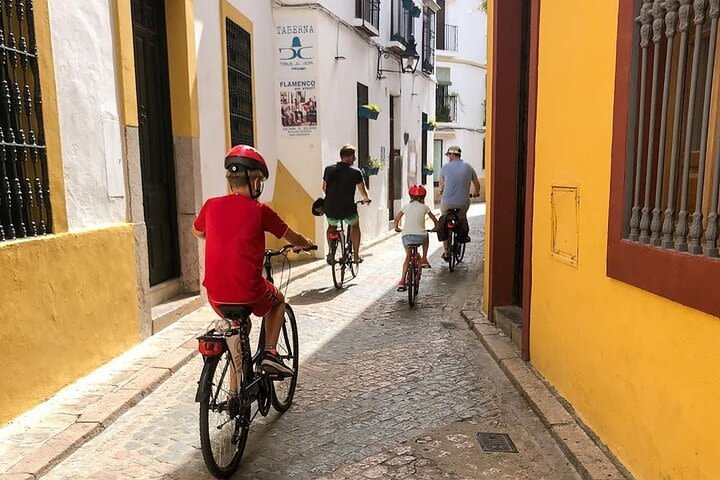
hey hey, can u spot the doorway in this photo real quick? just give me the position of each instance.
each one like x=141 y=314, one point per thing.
x=156 y=141
x=391 y=162
x=512 y=165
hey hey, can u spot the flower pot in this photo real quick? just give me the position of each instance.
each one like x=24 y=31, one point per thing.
x=364 y=112
x=428 y=127
x=369 y=171
x=408 y=4
x=415 y=11
x=428 y=171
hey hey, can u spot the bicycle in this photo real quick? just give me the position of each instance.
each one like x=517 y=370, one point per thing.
x=341 y=253
x=414 y=273
x=456 y=249
x=226 y=349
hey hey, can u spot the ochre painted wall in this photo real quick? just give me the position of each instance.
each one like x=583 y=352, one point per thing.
x=640 y=370
x=68 y=304
x=488 y=148
x=293 y=204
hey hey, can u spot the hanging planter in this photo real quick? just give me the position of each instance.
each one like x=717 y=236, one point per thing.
x=408 y=4
x=429 y=126
x=427 y=170
x=369 y=111
x=415 y=11
x=373 y=167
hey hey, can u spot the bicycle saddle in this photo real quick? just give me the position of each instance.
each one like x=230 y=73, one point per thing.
x=234 y=311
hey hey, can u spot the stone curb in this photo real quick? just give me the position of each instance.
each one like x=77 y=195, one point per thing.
x=104 y=412
x=591 y=459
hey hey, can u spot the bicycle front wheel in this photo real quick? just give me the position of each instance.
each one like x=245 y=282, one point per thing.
x=411 y=285
x=223 y=427
x=349 y=255
x=288 y=346
x=461 y=253
x=338 y=263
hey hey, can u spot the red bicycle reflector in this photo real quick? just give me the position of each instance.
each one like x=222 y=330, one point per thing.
x=451 y=225
x=209 y=348
x=334 y=235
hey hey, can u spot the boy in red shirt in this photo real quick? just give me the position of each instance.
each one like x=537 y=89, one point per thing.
x=234 y=229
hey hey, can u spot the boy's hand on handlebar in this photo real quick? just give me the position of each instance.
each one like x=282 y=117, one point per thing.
x=367 y=201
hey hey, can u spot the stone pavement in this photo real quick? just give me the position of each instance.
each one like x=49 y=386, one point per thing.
x=385 y=392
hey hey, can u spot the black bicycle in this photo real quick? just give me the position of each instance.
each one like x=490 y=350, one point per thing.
x=414 y=273
x=341 y=256
x=225 y=412
x=456 y=248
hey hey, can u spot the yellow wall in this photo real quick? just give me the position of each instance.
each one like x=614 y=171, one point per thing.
x=182 y=65
x=640 y=370
x=293 y=204
x=488 y=149
x=68 y=304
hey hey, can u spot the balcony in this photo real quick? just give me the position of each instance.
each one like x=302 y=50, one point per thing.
x=367 y=17
x=445 y=107
x=449 y=40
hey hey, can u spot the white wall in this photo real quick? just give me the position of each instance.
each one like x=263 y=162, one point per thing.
x=468 y=79
x=84 y=56
x=211 y=96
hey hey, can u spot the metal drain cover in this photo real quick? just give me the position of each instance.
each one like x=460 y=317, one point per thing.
x=496 y=442
x=448 y=325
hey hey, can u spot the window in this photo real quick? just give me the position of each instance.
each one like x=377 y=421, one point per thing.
x=368 y=11
x=428 y=57
x=424 y=149
x=240 y=97
x=665 y=182
x=363 y=147
x=445 y=104
x=401 y=22
x=24 y=193
x=437 y=160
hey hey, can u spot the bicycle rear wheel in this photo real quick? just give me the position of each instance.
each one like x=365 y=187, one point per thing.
x=461 y=254
x=453 y=258
x=223 y=427
x=337 y=250
x=288 y=346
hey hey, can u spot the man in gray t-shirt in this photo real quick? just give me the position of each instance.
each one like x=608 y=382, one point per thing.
x=456 y=176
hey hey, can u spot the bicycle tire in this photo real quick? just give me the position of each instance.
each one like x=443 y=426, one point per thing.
x=453 y=259
x=410 y=284
x=461 y=255
x=338 y=265
x=291 y=351
x=354 y=267
x=227 y=470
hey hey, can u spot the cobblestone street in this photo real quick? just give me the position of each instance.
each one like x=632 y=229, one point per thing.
x=384 y=392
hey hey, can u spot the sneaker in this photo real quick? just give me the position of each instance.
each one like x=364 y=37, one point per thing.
x=329 y=259
x=273 y=364
x=402 y=287
x=425 y=264
x=465 y=240
x=446 y=256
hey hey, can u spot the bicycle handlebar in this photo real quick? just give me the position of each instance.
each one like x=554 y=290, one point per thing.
x=363 y=202
x=287 y=248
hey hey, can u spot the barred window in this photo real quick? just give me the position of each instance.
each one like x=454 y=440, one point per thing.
x=428 y=60
x=240 y=99
x=673 y=162
x=24 y=192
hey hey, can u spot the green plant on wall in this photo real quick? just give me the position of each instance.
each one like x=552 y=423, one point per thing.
x=443 y=113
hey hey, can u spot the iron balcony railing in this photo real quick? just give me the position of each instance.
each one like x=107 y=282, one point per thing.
x=449 y=42
x=445 y=107
x=369 y=11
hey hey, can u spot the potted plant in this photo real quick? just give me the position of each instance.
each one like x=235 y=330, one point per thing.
x=415 y=11
x=373 y=166
x=443 y=113
x=370 y=111
x=429 y=126
x=428 y=170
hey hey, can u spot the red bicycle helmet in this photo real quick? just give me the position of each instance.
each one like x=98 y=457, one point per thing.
x=245 y=157
x=417 y=191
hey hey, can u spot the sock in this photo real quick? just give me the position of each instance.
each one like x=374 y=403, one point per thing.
x=271 y=348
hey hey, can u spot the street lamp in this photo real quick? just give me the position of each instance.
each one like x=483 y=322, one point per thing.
x=408 y=59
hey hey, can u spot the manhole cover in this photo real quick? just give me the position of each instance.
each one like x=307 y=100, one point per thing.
x=496 y=442
x=448 y=325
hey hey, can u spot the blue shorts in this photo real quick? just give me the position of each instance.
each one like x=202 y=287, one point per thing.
x=413 y=239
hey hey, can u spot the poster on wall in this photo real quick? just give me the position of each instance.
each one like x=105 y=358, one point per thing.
x=297 y=78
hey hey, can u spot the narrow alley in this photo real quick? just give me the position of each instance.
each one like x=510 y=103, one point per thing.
x=384 y=392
